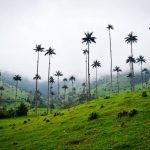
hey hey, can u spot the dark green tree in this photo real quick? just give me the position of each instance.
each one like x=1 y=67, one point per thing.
x=49 y=52
x=72 y=79
x=117 y=69
x=88 y=39
x=110 y=27
x=141 y=60
x=58 y=74
x=65 y=87
x=37 y=49
x=95 y=65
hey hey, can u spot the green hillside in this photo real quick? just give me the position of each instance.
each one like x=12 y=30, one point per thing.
x=70 y=129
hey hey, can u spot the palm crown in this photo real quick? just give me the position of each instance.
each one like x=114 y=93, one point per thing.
x=141 y=59
x=39 y=48
x=88 y=38
x=85 y=51
x=58 y=73
x=50 y=51
x=96 y=64
x=51 y=80
x=17 y=78
x=37 y=77
x=110 y=27
x=72 y=78
x=117 y=69
x=131 y=38
x=130 y=59
x=65 y=87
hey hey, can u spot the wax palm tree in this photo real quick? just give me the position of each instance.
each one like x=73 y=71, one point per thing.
x=37 y=77
x=131 y=60
x=85 y=52
x=110 y=27
x=141 y=60
x=95 y=65
x=16 y=78
x=130 y=39
x=65 y=87
x=65 y=80
x=58 y=74
x=88 y=39
x=37 y=49
x=49 y=52
x=2 y=89
x=84 y=86
x=72 y=79
x=130 y=75
x=146 y=71
x=117 y=69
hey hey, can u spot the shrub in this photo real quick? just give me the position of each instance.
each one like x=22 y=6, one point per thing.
x=44 y=114
x=144 y=94
x=133 y=112
x=92 y=116
x=24 y=122
x=122 y=114
x=1 y=127
x=47 y=120
x=107 y=97
x=22 y=110
x=102 y=106
x=6 y=113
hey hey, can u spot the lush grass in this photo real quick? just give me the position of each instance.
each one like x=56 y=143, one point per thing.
x=71 y=129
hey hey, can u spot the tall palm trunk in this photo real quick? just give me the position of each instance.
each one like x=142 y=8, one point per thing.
x=48 y=94
x=58 y=87
x=86 y=76
x=16 y=90
x=36 y=87
x=89 y=88
x=141 y=75
x=132 y=70
x=65 y=94
x=96 y=82
x=118 y=81
x=72 y=89
x=110 y=61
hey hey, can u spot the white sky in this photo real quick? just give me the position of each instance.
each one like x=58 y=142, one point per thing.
x=61 y=24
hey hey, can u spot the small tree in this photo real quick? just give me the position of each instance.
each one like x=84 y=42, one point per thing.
x=22 y=110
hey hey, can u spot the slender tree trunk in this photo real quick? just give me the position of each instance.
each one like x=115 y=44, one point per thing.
x=96 y=82
x=132 y=69
x=48 y=103
x=89 y=88
x=58 y=87
x=65 y=94
x=110 y=62
x=141 y=75
x=118 y=82
x=72 y=89
x=86 y=76
x=36 y=86
x=16 y=90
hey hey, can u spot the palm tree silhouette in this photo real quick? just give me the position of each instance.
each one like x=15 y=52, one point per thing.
x=65 y=87
x=110 y=27
x=85 y=52
x=37 y=77
x=130 y=75
x=117 y=69
x=146 y=71
x=131 y=60
x=2 y=89
x=88 y=39
x=141 y=60
x=130 y=39
x=95 y=65
x=84 y=86
x=51 y=81
x=16 y=78
x=65 y=80
x=37 y=49
x=58 y=74
x=72 y=79
x=49 y=52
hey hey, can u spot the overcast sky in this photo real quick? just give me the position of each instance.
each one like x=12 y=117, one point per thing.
x=61 y=24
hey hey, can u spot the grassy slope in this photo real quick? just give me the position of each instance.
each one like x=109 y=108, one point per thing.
x=72 y=130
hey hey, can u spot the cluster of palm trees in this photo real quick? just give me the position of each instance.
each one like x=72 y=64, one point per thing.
x=130 y=39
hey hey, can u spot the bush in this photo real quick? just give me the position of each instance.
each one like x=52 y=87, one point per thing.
x=122 y=114
x=133 y=112
x=24 y=122
x=144 y=94
x=22 y=110
x=93 y=116
x=107 y=97
x=6 y=113
x=102 y=106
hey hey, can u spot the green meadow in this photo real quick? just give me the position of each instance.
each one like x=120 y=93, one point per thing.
x=70 y=129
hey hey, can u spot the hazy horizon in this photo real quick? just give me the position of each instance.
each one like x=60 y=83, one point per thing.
x=61 y=25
